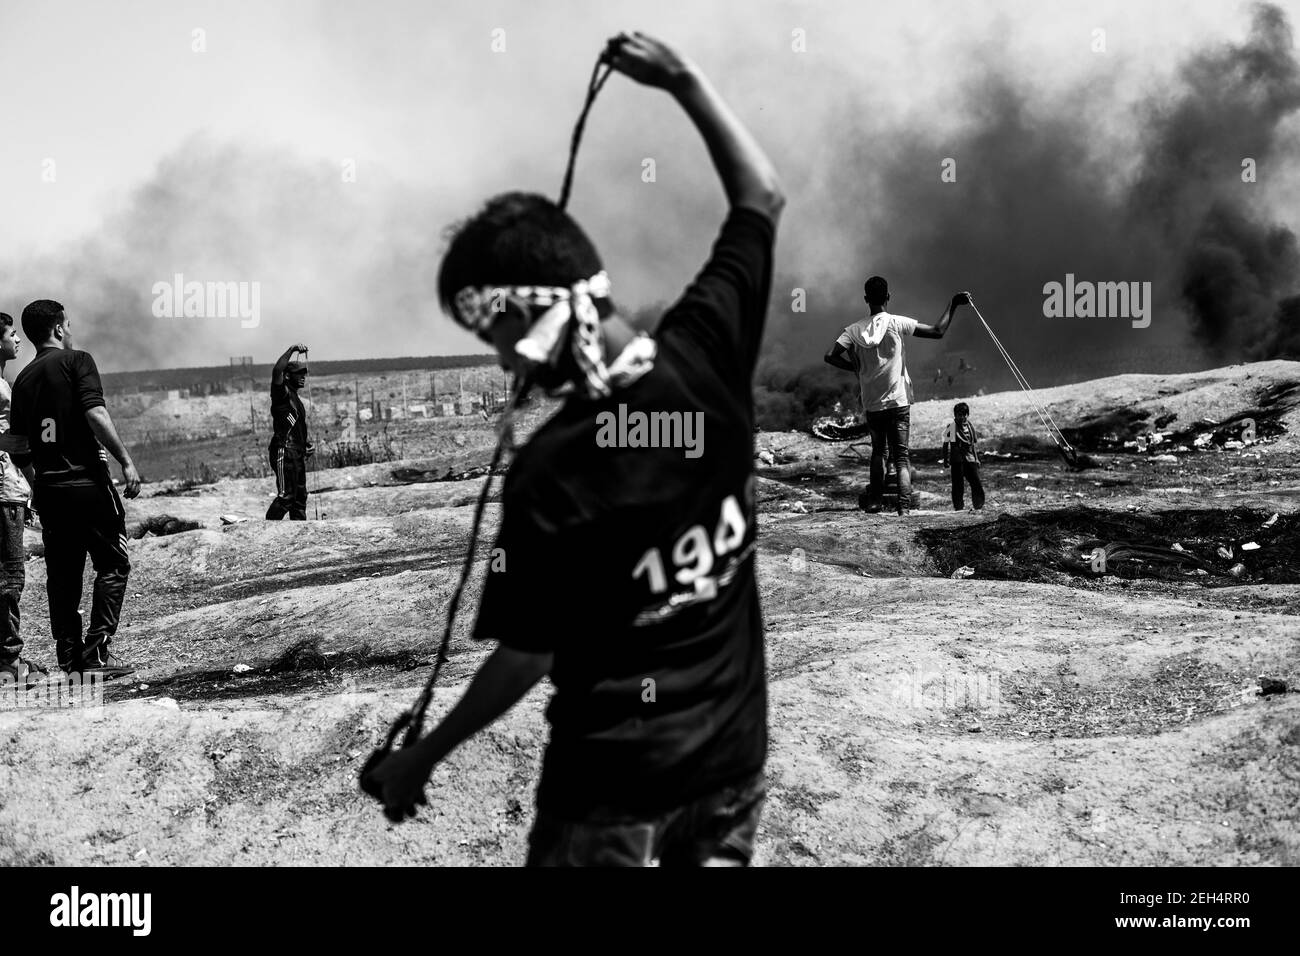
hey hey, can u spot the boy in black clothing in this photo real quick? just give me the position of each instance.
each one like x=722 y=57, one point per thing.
x=58 y=407
x=629 y=573
x=961 y=452
x=289 y=448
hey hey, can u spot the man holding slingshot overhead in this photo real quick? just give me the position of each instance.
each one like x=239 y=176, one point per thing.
x=629 y=574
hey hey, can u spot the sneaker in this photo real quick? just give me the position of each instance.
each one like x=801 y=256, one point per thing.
x=107 y=666
x=27 y=673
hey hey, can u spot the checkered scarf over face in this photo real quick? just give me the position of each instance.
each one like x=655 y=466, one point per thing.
x=476 y=308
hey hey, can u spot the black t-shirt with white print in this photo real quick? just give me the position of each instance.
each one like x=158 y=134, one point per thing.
x=634 y=566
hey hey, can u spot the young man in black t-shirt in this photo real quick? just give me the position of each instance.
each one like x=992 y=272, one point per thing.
x=289 y=448
x=628 y=524
x=58 y=407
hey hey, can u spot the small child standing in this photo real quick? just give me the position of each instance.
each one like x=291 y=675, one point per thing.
x=959 y=449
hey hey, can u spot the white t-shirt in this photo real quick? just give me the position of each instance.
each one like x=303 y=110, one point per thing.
x=877 y=340
x=13 y=486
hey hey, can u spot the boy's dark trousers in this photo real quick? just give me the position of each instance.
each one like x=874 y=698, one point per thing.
x=890 y=428
x=969 y=471
x=76 y=521
x=289 y=463
x=13 y=576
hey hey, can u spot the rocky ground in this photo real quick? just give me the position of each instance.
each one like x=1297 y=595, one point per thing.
x=1024 y=712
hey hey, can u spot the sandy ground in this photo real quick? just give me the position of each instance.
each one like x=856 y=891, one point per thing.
x=915 y=719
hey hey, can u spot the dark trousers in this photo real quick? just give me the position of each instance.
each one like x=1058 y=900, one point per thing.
x=716 y=830
x=890 y=428
x=13 y=575
x=966 y=471
x=76 y=521
x=290 y=466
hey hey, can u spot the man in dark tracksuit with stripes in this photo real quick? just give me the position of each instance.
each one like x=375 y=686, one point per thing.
x=58 y=407
x=289 y=447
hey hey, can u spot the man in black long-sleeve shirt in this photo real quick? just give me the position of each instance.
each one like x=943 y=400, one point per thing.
x=290 y=448
x=58 y=407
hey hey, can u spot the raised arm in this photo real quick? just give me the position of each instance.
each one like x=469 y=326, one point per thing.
x=747 y=175
x=937 y=330
x=277 y=373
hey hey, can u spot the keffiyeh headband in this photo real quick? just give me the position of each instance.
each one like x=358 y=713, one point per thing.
x=477 y=307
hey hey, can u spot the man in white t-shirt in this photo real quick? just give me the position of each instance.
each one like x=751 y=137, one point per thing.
x=873 y=348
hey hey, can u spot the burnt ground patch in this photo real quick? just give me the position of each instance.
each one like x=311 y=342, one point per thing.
x=299 y=668
x=1044 y=546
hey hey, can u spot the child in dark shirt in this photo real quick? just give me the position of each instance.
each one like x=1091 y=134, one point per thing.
x=962 y=455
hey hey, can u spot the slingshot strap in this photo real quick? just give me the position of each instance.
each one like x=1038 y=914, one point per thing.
x=593 y=87
x=1049 y=423
x=413 y=719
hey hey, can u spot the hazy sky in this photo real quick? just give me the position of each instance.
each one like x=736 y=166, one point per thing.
x=225 y=164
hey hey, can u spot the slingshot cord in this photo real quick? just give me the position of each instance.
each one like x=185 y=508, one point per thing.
x=593 y=87
x=1049 y=423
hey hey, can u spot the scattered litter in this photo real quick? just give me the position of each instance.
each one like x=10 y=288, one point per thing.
x=166 y=703
x=1271 y=521
x=965 y=571
x=144 y=687
x=974 y=728
x=241 y=668
x=1032 y=488
x=1250 y=546
x=1237 y=570
x=766 y=457
x=799 y=508
x=1177 y=547
x=232 y=519
x=1271 y=685
x=1225 y=553
x=142 y=854
x=1234 y=444
x=1025 y=476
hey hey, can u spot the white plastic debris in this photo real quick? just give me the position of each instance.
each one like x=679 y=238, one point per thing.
x=799 y=508
x=232 y=519
x=766 y=457
x=1225 y=553
x=965 y=571
x=142 y=854
x=1250 y=546
x=1237 y=570
x=241 y=668
x=1234 y=444
x=1164 y=458
x=1271 y=521
x=1177 y=547
x=166 y=703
